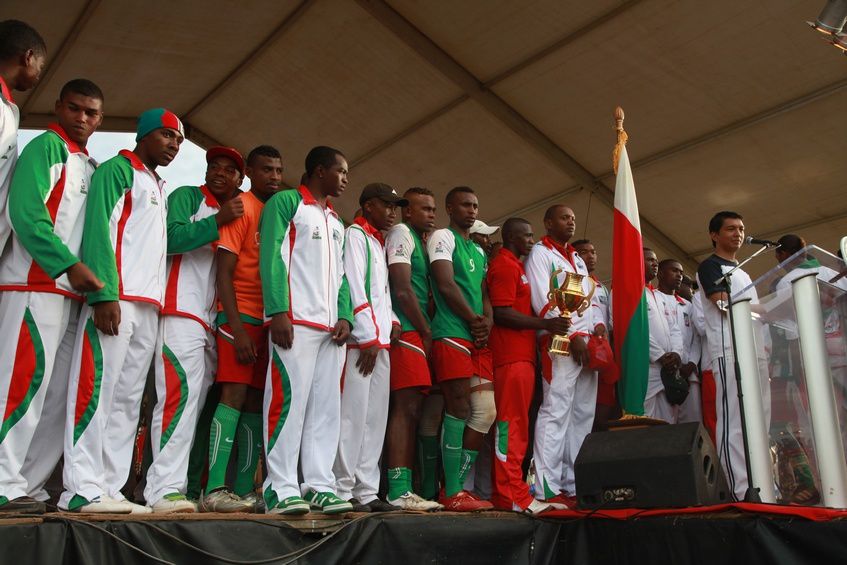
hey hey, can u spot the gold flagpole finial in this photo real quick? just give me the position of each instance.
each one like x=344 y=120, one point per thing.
x=622 y=137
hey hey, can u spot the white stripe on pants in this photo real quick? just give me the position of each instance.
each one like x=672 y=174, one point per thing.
x=308 y=431
x=564 y=419
x=364 y=416
x=48 y=443
x=184 y=372
x=730 y=441
x=32 y=325
x=98 y=447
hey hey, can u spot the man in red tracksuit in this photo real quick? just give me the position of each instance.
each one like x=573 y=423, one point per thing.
x=513 y=348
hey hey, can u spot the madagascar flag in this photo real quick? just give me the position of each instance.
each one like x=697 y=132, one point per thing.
x=629 y=306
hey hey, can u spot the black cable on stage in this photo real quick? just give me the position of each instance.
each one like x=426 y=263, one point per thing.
x=112 y=535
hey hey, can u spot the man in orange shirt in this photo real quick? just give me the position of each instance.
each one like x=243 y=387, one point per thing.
x=242 y=341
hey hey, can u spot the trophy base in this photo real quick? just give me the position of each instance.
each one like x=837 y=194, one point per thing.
x=560 y=345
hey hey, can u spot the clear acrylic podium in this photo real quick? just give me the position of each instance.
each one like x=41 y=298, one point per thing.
x=794 y=317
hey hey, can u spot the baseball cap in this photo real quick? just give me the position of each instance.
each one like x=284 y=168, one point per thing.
x=383 y=192
x=481 y=227
x=156 y=118
x=229 y=153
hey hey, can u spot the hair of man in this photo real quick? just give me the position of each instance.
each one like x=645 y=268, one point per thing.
x=17 y=37
x=321 y=156
x=83 y=87
x=263 y=151
x=457 y=190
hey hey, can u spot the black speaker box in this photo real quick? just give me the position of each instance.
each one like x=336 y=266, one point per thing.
x=654 y=467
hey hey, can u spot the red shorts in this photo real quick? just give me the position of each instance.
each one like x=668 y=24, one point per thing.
x=409 y=367
x=455 y=358
x=230 y=370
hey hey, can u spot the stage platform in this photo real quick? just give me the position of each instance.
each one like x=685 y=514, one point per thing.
x=745 y=534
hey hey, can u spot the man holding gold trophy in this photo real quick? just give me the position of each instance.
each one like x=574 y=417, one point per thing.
x=561 y=286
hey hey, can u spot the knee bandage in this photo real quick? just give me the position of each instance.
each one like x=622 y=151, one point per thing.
x=483 y=410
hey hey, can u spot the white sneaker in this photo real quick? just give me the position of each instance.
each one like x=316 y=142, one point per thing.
x=174 y=503
x=537 y=507
x=137 y=508
x=105 y=505
x=411 y=501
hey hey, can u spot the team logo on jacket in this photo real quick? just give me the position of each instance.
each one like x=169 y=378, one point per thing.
x=316 y=233
x=153 y=200
x=83 y=187
x=685 y=317
x=400 y=251
x=439 y=247
x=336 y=235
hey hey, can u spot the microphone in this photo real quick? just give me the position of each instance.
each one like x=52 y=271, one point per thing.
x=750 y=240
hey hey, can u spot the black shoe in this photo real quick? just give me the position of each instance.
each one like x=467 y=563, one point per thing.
x=378 y=505
x=23 y=505
x=358 y=506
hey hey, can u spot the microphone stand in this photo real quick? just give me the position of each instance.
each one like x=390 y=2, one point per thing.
x=752 y=493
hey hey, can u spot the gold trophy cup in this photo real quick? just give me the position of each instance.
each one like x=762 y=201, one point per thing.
x=568 y=298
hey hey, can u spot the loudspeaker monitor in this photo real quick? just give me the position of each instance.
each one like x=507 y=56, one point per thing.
x=654 y=467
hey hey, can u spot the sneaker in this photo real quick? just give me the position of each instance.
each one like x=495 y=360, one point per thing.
x=411 y=501
x=22 y=505
x=225 y=501
x=463 y=501
x=327 y=502
x=256 y=501
x=174 y=503
x=377 y=505
x=291 y=505
x=535 y=507
x=99 y=505
x=359 y=506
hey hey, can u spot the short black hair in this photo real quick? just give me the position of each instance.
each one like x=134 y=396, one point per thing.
x=665 y=262
x=456 y=190
x=510 y=225
x=263 y=151
x=581 y=242
x=418 y=190
x=647 y=249
x=791 y=243
x=548 y=214
x=716 y=223
x=83 y=87
x=321 y=156
x=17 y=37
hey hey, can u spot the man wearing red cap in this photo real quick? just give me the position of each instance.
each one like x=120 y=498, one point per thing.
x=124 y=241
x=242 y=340
x=185 y=367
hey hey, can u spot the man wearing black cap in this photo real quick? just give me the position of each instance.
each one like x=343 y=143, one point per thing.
x=185 y=369
x=365 y=388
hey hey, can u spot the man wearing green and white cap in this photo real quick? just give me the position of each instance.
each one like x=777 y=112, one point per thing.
x=124 y=243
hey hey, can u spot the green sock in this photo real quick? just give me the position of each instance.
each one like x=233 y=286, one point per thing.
x=468 y=459
x=451 y=453
x=198 y=459
x=428 y=458
x=249 y=448
x=221 y=436
x=399 y=482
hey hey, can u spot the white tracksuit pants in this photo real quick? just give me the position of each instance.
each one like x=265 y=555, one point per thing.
x=364 y=416
x=692 y=409
x=185 y=370
x=302 y=413
x=730 y=442
x=108 y=375
x=657 y=406
x=33 y=326
x=564 y=419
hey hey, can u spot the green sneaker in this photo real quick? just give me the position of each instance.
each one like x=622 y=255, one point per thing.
x=327 y=502
x=291 y=505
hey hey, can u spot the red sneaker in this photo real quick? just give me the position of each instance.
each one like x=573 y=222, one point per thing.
x=463 y=501
x=562 y=502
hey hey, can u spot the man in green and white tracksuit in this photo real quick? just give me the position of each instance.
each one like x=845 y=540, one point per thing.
x=185 y=368
x=306 y=296
x=41 y=286
x=125 y=243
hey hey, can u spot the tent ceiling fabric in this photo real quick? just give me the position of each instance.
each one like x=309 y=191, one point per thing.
x=729 y=104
